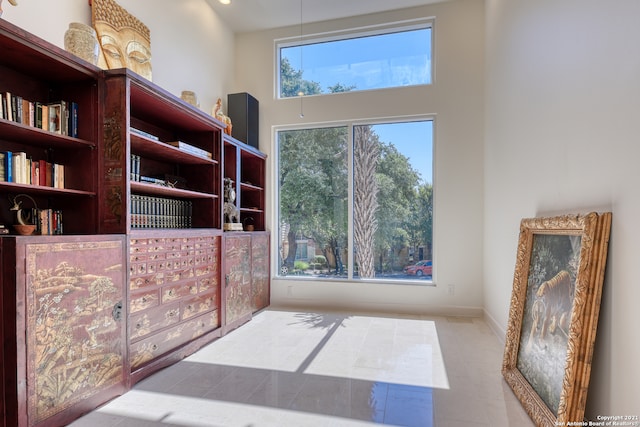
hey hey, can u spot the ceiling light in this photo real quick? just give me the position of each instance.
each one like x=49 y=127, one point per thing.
x=225 y=1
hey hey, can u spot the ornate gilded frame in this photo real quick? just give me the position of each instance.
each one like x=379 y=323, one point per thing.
x=559 y=271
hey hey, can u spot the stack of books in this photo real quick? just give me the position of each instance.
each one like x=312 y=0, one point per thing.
x=188 y=148
x=160 y=212
x=59 y=117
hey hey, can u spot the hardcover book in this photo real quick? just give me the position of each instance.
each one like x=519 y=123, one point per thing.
x=188 y=148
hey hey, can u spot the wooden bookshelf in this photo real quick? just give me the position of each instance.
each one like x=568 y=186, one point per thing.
x=40 y=72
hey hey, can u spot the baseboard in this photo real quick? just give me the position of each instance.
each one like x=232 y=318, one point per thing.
x=495 y=326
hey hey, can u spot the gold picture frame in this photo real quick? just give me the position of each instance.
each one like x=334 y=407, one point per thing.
x=555 y=303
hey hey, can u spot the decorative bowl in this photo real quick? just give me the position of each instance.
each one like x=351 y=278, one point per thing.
x=24 y=230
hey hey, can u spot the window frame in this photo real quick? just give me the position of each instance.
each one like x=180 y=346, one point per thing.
x=350 y=125
x=352 y=33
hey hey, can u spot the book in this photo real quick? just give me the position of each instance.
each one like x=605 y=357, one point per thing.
x=9 y=105
x=188 y=148
x=45 y=117
x=38 y=114
x=55 y=117
x=42 y=172
x=73 y=119
x=143 y=133
x=3 y=172
x=8 y=166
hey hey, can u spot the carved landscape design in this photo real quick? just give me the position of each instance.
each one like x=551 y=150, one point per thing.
x=74 y=342
x=238 y=280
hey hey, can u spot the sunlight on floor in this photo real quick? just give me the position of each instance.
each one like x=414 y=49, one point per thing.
x=392 y=350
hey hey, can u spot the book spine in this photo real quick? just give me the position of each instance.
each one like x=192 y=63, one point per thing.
x=9 y=166
x=3 y=171
x=73 y=119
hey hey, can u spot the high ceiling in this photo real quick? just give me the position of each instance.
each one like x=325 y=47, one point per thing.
x=253 y=15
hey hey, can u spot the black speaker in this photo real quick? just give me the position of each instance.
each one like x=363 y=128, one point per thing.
x=243 y=111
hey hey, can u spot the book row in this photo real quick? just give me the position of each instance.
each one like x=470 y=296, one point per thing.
x=59 y=117
x=16 y=167
x=160 y=212
x=47 y=221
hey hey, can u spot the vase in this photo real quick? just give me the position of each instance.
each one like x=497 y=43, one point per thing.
x=81 y=40
x=190 y=97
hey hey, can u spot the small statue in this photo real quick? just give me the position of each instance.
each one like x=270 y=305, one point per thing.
x=13 y=2
x=218 y=114
x=231 y=213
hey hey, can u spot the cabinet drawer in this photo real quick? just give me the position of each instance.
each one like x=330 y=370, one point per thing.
x=207 y=283
x=143 y=300
x=152 y=320
x=166 y=340
x=198 y=305
x=179 y=274
x=181 y=290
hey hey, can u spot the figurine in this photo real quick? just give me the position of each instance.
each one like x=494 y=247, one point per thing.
x=218 y=114
x=13 y=2
x=231 y=214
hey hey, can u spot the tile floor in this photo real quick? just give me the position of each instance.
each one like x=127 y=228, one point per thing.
x=307 y=369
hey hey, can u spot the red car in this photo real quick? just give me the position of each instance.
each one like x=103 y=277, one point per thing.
x=420 y=268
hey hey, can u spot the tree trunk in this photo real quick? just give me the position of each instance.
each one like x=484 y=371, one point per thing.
x=290 y=260
x=365 y=203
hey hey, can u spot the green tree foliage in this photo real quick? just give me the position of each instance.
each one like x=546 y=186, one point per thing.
x=292 y=84
x=313 y=188
x=397 y=181
x=419 y=225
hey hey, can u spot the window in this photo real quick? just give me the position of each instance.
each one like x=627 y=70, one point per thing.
x=386 y=58
x=359 y=198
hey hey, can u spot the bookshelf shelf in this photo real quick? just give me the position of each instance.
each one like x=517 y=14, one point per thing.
x=37 y=137
x=159 y=150
x=43 y=190
x=159 y=190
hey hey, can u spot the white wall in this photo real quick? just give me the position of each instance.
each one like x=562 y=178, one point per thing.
x=456 y=99
x=191 y=47
x=562 y=105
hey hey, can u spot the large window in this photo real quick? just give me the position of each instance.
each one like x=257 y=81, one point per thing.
x=383 y=58
x=359 y=199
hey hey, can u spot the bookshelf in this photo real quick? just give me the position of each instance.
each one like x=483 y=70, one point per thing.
x=38 y=73
x=160 y=150
x=245 y=166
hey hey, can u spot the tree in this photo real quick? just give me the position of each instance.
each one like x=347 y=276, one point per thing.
x=313 y=188
x=292 y=84
x=397 y=181
x=420 y=223
x=365 y=203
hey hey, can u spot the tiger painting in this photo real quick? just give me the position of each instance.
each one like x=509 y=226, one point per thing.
x=551 y=310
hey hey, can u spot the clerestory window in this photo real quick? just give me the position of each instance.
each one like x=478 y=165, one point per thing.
x=373 y=58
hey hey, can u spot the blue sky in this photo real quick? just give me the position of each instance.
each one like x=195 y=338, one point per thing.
x=387 y=60
x=414 y=140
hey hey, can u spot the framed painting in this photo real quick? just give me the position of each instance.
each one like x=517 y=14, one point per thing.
x=553 y=316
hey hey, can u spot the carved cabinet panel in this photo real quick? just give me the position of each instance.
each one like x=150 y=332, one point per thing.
x=246 y=276
x=69 y=326
x=260 y=288
x=237 y=279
